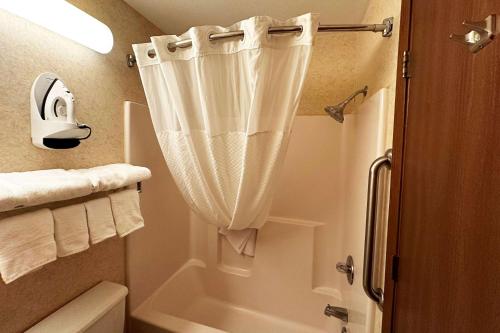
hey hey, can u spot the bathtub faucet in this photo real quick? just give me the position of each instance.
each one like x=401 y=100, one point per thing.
x=337 y=312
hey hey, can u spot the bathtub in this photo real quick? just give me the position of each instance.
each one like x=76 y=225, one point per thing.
x=197 y=283
x=185 y=304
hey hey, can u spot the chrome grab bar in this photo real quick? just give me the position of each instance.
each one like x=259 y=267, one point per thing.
x=376 y=294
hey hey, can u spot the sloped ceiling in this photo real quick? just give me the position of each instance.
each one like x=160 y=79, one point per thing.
x=176 y=16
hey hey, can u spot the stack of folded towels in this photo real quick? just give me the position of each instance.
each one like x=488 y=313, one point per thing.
x=31 y=240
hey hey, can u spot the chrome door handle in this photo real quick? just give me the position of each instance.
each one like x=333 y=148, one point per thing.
x=376 y=294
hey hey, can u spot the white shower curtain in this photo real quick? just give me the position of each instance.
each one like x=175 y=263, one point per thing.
x=222 y=111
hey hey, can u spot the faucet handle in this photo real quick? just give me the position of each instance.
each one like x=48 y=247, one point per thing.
x=347 y=268
x=343 y=268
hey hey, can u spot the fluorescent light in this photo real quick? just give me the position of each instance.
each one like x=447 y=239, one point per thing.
x=65 y=19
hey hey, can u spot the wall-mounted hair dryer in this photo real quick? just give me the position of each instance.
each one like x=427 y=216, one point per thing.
x=53 y=123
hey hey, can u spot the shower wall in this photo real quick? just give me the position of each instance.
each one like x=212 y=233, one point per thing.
x=100 y=84
x=325 y=180
x=163 y=245
x=317 y=219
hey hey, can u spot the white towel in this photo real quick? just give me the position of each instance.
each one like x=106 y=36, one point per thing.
x=26 y=243
x=22 y=189
x=71 y=231
x=114 y=176
x=100 y=219
x=243 y=241
x=126 y=211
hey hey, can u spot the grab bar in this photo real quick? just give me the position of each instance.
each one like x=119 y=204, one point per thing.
x=375 y=294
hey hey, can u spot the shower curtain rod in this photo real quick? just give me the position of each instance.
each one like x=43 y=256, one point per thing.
x=385 y=28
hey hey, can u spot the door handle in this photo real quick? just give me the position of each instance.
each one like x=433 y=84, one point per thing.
x=375 y=294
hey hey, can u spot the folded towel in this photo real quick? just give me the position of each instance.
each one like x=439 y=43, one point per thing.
x=243 y=241
x=113 y=176
x=31 y=188
x=126 y=211
x=27 y=243
x=22 y=189
x=71 y=232
x=100 y=219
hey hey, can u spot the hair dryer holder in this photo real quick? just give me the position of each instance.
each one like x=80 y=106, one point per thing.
x=53 y=123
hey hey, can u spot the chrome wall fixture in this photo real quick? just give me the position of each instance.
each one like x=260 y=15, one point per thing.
x=337 y=111
x=482 y=33
x=375 y=294
x=337 y=312
x=347 y=268
x=385 y=28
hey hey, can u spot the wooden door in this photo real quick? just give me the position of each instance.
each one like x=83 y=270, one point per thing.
x=445 y=215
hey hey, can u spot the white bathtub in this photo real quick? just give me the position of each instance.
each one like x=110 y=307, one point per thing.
x=185 y=304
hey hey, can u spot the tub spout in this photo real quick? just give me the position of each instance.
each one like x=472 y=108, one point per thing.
x=337 y=312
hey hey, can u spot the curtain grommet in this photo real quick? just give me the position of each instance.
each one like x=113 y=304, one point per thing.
x=152 y=53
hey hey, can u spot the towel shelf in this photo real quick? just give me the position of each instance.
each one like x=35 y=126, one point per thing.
x=33 y=188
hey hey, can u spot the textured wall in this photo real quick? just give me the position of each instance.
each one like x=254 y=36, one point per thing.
x=100 y=84
x=345 y=62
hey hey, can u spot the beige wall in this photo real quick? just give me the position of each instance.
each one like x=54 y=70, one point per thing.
x=345 y=62
x=100 y=84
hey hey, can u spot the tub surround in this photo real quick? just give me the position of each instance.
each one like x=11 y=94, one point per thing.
x=165 y=240
x=292 y=277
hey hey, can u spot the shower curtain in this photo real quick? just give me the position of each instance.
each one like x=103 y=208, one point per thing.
x=222 y=112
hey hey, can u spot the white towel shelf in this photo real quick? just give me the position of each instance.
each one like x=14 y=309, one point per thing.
x=32 y=188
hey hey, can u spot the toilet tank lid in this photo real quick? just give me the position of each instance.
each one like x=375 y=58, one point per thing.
x=83 y=311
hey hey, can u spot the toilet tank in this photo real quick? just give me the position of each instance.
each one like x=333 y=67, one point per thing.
x=98 y=310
